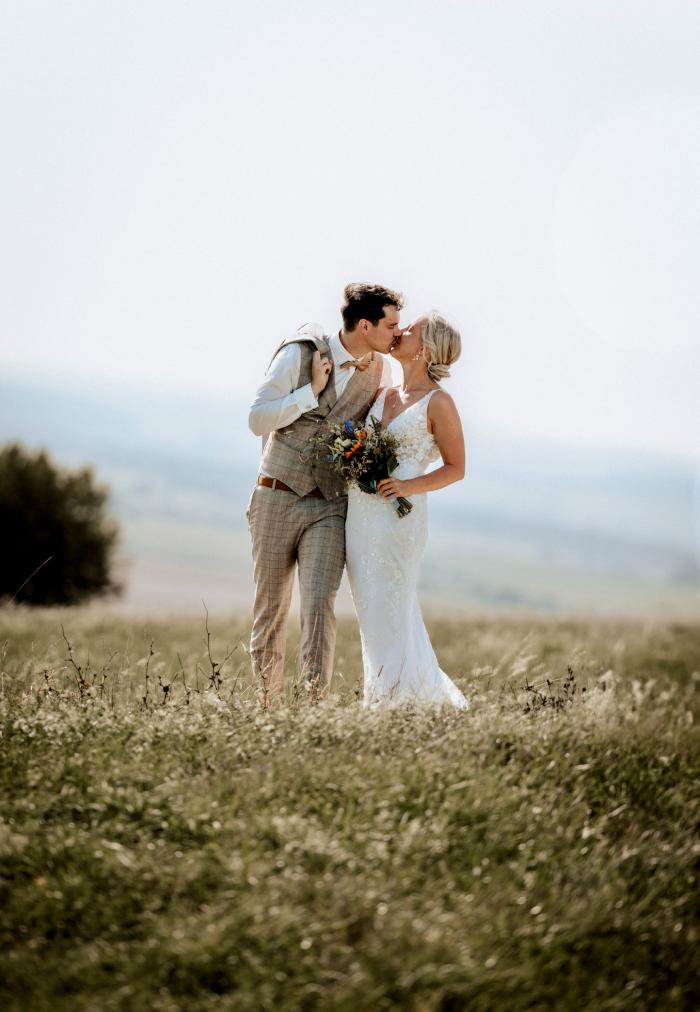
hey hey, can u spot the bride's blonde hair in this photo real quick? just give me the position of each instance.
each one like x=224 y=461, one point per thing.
x=444 y=345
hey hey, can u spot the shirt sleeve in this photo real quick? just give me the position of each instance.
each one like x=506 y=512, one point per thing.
x=276 y=402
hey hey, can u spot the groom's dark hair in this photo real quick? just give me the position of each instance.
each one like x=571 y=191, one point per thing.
x=367 y=302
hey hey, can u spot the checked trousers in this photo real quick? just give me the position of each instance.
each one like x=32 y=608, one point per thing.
x=288 y=531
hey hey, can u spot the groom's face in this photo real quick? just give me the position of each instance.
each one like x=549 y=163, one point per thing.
x=380 y=336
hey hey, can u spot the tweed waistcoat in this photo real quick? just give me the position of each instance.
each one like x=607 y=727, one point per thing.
x=289 y=452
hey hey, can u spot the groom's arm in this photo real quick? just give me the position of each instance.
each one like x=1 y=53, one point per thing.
x=277 y=403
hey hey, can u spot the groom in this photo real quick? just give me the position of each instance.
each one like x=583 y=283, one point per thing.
x=296 y=513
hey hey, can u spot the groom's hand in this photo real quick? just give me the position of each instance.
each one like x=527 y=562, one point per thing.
x=320 y=371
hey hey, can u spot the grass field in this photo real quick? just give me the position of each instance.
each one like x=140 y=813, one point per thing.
x=166 y=844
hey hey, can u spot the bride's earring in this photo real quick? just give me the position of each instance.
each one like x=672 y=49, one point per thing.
x=419 y=355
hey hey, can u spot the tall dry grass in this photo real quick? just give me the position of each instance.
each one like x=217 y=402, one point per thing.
x=182 y=848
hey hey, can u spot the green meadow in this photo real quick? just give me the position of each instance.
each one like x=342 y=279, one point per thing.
x=166 y=843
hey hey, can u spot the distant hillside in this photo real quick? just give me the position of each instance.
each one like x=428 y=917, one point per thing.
x=535 y=525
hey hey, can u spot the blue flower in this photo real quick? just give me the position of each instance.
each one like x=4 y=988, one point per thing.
x=348 y=428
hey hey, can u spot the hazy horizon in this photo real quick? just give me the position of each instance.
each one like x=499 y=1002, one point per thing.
x=115 y=388
x=536 y=525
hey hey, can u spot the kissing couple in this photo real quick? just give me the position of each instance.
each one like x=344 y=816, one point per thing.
x=303 y=515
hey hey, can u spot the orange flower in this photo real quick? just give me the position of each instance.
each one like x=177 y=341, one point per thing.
x=354 y=448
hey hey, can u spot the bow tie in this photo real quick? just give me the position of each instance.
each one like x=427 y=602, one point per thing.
x=355 y=363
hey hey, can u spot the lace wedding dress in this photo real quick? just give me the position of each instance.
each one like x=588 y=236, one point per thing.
x=383 y=555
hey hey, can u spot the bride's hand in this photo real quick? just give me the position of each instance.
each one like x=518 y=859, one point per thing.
x=391 y=487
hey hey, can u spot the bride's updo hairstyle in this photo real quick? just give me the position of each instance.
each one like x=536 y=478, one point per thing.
x=443 y=343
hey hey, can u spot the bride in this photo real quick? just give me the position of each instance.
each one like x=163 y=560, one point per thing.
x=383 y=551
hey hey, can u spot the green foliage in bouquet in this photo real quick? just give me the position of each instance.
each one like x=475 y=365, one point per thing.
x=362 y=456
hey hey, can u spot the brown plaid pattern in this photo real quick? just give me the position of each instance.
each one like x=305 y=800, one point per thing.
x=288 y=451
x=287 y=530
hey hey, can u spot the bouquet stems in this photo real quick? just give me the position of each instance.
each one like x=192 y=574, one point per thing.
x=403 y=505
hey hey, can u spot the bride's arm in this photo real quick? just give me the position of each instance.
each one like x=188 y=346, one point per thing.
x=446 y=426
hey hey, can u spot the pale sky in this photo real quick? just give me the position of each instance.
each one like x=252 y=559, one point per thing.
x=184 y=184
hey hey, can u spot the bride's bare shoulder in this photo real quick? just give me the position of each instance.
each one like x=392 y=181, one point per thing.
x=441 y=402
x=441 y=410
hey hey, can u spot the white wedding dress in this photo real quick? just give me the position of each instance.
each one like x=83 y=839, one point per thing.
x=383 y=553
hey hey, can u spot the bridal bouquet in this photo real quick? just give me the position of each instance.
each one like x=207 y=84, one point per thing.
x=363 y=456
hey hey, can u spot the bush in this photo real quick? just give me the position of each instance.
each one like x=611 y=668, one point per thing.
x=49 y=513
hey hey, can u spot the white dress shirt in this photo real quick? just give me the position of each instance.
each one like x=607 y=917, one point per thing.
x=278 y=402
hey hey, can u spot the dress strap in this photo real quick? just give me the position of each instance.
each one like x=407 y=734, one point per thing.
x=428 y=398
x=379 y=404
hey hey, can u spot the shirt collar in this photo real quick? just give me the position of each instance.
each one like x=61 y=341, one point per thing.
x=338 y=350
